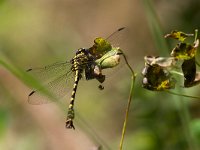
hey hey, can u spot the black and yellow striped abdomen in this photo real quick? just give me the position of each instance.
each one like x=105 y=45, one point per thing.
x=79 y=63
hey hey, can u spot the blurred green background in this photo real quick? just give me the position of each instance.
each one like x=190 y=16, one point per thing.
x=40 y=32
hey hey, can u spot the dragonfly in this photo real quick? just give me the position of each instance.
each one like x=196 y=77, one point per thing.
x=61 y=77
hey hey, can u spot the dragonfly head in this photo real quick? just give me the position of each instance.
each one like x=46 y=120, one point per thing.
x=100 y=47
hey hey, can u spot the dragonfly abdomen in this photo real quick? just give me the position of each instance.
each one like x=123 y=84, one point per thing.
x=70 y=115
x=77 y=67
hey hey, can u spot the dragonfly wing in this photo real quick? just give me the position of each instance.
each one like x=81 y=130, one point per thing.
x=118 y=37
x=57 y=88
x=50 y=72
x=56 y=80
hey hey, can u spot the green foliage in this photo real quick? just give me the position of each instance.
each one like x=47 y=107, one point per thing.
x=195 y=129
x=4 y=118
x=155 y=28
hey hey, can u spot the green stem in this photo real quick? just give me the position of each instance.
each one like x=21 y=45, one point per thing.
x=176 y=72
x=129 y=103
x=195 y=34
x=177 y=94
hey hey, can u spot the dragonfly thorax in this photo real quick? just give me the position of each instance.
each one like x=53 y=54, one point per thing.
x=81 y=60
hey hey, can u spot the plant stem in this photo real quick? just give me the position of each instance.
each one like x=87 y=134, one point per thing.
x=183 y=95
x=176 y=72
x=133 y=76
x=196 y=34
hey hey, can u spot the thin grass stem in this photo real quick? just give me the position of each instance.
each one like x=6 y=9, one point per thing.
x=133 y=76
x=183 y=95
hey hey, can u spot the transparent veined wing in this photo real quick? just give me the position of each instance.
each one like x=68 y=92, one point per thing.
x=49 y=72
x=118 y=37
x=57 y=79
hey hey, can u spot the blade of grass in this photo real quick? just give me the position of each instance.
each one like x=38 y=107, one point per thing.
x=25 y=78
x=155 y=28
